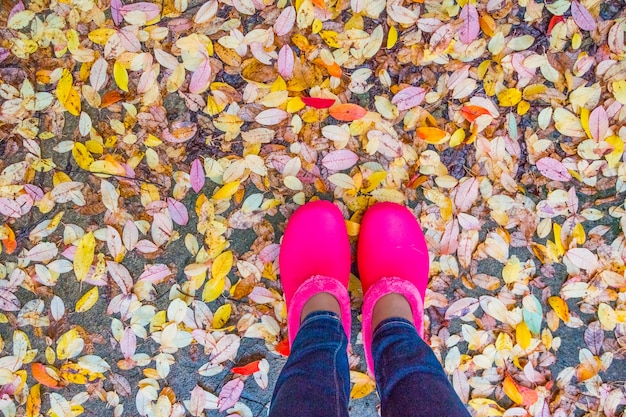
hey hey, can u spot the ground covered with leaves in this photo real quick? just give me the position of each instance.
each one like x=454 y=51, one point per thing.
x=151 y=152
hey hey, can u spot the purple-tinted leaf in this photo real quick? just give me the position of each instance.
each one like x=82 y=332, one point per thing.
x=230 y=394
x=582 y=17
x=197 y=176
x=178 y=211
x=151 y=10
x=128 y=344
x=269 y=253
x=155 y=273
x=10 y=208
x=470 y=28
x=409 y=97
x=121 y=276
x=4 y=54
x=116 y=11
x=553 y=169
x=594 y=337
x=8 y=301
x=19 y=7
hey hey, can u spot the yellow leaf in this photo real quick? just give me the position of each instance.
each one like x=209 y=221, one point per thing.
x=33 y=402
x=101 y=36
x=213 y=289
x=557 y=239
x=615 y=156
x=70 y=344
x=76 y=374
x=619 y=91
x=121 y=76
x=523 y=107
x=457 y=137
x=579 y=234
x=363 y=385
x=607 y=316
x=87 y=301
x=512 y=270
x=509 y=97
x=560 y=307
x=584 y=121
x=522 y=335
x=82 y=156
x=221 y=316
x=226 y=191
x=83 y=258
x=222 y=265
x=68 y=97
x=392 y=37
x=510 y=389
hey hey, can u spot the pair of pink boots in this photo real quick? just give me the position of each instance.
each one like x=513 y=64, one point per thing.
x=315 y=257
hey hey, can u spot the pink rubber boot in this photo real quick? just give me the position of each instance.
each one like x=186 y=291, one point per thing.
x=392 y=258
x=315 y=257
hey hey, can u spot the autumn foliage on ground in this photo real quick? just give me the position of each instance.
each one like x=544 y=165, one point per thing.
x=151 y=152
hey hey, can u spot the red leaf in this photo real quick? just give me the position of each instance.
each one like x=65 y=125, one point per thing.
x=553 y=22
x=347 y=112
x=317 y=102
x=582 y=17
x=248 y=369
x=283 y=347
x=471 y=27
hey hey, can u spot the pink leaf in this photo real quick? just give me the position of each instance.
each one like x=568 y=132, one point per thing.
x=269 y=253
x=129 y=40
x=598 y=123
x=196 y=175
x=201 y=78
x=285 y=21
x=230 y=394
x=466 y=194
x=145 y=246
x=98 y=76
x=197 y=401
x=271 y=117
x=162 y=228
x=155 y=273
x=583 y=258
x=130 y=235
x=450 y=238
x=121 y=276
x=178 y=211
x=340 y=159
x=286 y=61
x=582 y=17
x=553 y=169
x=116 y=11
x=470 y=28
x=10 y=208
x=150 y=10
x=114 y=241
x=409 y=98
x=128 y=344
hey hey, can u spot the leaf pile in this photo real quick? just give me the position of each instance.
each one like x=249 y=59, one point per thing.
x=151 y=152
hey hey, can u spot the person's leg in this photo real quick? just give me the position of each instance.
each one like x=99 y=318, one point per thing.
x=409 y=378
x=314 y=271
x=315 y=381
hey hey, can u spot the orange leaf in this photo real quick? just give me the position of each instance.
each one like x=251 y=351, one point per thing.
x=9 y=242
x=432 y=135
x=283 y=347
x=347 y=112
x=248 y=369
x=472 y=112
x=320 y=3
x=333 y=69
x=40 y=374
x=110 y=97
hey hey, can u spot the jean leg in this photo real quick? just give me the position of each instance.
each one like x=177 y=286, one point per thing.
x=315 y=381
x=410 y=379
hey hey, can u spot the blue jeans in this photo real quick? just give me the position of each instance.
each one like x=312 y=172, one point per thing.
x=315 y=381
